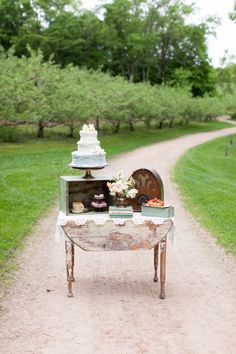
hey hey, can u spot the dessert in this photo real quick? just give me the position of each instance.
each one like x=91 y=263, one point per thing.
x=89 y=153
x=99 y=201
x=99 y=196
x=77 y=207
x=155 y=202
x=102 y=204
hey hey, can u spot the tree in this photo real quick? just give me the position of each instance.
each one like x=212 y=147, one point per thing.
x=142 y=40
x=232 y=14
x=150 y=40
x=72 y=102
x=74 y=39
x=49 y=10
x=14 y=17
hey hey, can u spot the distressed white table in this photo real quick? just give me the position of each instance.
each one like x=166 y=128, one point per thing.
x=98 y=232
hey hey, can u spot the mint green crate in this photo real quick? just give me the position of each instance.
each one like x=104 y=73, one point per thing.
x=164 y=212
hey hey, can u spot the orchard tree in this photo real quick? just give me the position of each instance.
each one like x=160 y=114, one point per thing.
x=73 y=105
x=13 y=102
x=128 y=103
x=41 y=80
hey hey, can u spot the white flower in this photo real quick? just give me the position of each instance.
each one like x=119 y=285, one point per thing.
x=123 y=187
x=121 y=176
x=132 y=193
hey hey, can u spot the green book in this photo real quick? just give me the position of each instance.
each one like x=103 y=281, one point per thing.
x=127 y=209
x=121 y=215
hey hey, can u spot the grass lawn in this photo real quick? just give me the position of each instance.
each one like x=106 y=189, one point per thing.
x=29 y=177
x=207 y=181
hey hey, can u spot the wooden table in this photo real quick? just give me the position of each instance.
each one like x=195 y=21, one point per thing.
x=100 y=233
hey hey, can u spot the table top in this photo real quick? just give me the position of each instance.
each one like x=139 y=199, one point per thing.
x=99 y=232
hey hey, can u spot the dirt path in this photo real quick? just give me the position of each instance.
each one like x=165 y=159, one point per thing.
x=116 y=308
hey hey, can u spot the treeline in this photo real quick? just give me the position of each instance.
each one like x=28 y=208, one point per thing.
x=34 y=91
x=141 y=40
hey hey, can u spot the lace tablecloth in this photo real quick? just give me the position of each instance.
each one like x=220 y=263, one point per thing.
x=101 y=218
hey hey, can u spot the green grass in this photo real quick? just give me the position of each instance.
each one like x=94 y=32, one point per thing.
x=207 y=181
x=29 y=177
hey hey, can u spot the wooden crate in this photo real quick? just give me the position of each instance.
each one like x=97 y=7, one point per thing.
x=76 y=188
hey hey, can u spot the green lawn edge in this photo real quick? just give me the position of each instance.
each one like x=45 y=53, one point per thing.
x=206 y=179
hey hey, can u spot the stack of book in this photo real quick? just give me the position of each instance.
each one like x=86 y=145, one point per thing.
x=120 y=212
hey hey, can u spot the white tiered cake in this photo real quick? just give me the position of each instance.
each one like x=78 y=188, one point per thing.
x=89 y=153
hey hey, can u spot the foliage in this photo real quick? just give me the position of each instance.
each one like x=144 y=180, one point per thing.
x=233 y=12
x=226 y=79
x=142 y=40
x=41 y=93
x=149 y=41
x=15 y=17
x=209 y=187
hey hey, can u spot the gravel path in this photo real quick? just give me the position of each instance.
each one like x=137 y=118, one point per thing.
x=116 y=308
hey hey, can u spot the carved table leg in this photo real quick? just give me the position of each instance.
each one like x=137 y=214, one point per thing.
x=156 y=254
x=69 y=266
x=163 y=267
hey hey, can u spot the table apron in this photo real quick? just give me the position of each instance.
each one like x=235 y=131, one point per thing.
x=111 y=237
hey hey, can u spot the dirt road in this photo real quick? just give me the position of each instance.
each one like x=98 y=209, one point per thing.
x=116 y=308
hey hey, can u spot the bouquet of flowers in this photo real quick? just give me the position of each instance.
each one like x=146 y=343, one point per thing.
x=122 y=187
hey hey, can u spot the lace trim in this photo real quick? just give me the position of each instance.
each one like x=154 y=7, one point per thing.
x=101 y=219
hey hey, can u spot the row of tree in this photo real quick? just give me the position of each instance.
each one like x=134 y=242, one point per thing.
x=35 y=91
x=142 y=40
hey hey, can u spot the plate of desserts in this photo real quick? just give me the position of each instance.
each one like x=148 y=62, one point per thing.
x=78 y=207
x=156 y=207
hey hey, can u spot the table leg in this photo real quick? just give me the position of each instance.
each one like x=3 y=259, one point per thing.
x=69 y=266
x=163 y=267
x=73 y=260
x=156 y=254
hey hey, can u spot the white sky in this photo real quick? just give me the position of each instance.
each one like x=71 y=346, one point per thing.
x=225 y=33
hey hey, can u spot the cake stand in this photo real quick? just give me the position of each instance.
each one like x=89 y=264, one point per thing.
x=99 y=203
x=88 y=174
